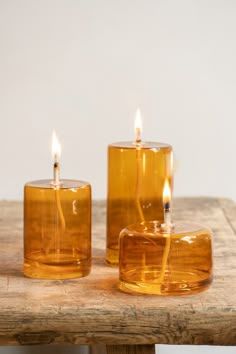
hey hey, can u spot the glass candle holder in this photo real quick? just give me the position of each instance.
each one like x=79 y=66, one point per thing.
x=57 y=229
x=155 y=262
x=136 y=176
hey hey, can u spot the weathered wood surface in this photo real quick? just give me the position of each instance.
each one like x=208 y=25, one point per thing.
x=131 y=349
x=92 y=310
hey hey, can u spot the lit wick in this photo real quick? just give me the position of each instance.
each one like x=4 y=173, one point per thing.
x=60 y=224
x=139 y=157
x=56 y=152
x=138 y=126
x=166 y=229
x=166 y=206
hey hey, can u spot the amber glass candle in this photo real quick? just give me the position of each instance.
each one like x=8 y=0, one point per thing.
x=136 y=175
x=57 y=225
x=158 y=262
x=57 y=229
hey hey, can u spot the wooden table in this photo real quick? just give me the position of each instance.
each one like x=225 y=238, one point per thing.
x=92 y=310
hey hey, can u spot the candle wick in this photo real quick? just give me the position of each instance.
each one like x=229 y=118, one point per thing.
x=56 y=173
x=138 y=183
x=167 y=218
x=167 y=206
x=167 y=225
x=138 y=135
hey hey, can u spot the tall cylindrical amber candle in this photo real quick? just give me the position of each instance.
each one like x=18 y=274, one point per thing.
x=57 y=229
x=136 y=176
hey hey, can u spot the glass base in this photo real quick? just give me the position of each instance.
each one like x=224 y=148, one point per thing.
x=112 y=256
x=57 y=268
x=153 y=287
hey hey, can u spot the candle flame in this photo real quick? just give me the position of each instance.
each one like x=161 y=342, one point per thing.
x=138 y=125
x=56 y=147
x=166 y=197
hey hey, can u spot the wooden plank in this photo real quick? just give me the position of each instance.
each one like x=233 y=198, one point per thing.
x=98 y=349
x=92 y=310
x=131 y=349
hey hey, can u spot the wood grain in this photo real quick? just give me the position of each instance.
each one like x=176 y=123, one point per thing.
x=92 y=310
x=131 y=349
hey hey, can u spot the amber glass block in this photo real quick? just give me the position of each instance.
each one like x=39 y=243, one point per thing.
x=136 y=176
x=57 y=229
x=158 y=263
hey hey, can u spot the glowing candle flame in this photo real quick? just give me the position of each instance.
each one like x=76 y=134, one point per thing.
x=166 y=197
x=56 y=147
x=138 y=126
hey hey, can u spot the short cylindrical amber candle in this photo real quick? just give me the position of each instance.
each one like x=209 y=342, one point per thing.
x=57 y=229
x=156 y=262
x=136 y=176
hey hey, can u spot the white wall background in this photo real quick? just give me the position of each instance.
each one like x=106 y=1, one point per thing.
x=83 y=67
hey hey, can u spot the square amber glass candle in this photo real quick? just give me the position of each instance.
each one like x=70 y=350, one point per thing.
x=57 y=229
x=136 y=176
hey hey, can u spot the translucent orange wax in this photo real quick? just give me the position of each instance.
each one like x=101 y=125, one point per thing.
x=156 y=262
x=136 y=175
x=57 y=229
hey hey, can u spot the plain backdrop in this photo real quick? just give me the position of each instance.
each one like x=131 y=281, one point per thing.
x=83 y=68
